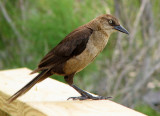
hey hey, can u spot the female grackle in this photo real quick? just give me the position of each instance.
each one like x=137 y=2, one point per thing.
x=74 y=53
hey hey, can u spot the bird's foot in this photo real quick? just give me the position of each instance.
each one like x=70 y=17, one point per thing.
x=85 y=95
x=89 y=97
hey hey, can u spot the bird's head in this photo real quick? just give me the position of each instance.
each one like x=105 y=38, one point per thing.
x=109 y=24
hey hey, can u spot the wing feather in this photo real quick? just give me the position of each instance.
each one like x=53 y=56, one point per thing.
x=72 y=45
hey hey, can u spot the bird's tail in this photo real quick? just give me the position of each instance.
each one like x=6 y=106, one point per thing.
x=28 y=86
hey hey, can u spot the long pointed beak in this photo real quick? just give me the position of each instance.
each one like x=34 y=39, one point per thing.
x=121 y=29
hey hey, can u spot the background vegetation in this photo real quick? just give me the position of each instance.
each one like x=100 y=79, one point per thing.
x=128 y=68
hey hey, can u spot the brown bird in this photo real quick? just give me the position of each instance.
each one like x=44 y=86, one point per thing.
x=78 y=49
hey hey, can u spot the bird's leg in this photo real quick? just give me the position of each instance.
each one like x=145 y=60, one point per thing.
x=85 y=95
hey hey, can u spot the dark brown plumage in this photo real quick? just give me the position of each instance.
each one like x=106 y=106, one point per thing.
x=72 y=45
x=74 y=53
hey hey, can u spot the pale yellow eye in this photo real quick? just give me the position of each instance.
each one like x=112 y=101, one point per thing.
x=110 y=21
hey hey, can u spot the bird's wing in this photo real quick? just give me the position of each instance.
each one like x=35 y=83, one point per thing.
x=72 y=45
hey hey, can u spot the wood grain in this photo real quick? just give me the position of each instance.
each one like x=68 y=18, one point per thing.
x=49 y=98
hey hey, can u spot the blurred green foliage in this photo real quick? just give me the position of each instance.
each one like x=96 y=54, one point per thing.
x=42 y=25
x=146 y=110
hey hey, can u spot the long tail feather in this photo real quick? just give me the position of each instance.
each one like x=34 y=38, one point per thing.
x=27 y=87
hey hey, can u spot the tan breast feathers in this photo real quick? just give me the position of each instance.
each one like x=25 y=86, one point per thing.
x=95 y=45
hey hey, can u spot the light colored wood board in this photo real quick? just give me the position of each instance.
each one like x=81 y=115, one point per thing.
x=85 y=108
x=18 y=108
x=2 y=113
x=47 y=90
x=48 y=98
x=13 y=80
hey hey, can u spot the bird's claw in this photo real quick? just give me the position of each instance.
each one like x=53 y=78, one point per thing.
x=77 y=98
x=89 y=97
x=100 y=98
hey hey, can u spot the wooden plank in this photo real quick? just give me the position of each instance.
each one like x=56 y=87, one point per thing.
x=2 y=113
x=49 y=98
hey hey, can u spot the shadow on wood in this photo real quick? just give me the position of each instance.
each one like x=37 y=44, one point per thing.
x=49 y=98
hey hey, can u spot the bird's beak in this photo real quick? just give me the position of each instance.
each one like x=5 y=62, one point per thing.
x=121 y=29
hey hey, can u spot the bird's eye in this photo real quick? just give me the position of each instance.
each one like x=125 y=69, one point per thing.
x=110 y=21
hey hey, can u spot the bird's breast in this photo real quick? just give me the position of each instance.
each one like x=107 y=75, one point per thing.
x=95 y=45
